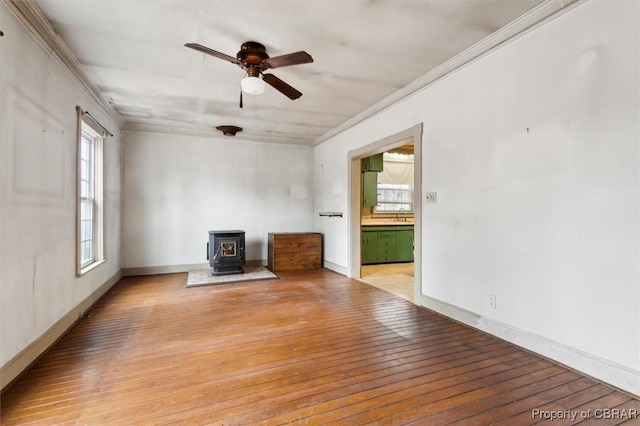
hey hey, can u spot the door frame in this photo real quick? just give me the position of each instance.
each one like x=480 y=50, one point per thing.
x=411 y=135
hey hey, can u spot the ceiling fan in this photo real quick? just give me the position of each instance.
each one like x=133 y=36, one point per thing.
x=254 y=60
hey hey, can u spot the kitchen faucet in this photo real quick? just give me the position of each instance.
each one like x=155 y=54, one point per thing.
x=398 y=218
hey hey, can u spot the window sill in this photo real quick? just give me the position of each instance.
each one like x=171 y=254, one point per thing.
x=90 y=267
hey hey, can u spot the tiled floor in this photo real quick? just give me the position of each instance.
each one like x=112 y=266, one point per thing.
x=396 y=278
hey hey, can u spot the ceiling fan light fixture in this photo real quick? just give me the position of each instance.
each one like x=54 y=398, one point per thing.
x=229 y=130
x=252 y=85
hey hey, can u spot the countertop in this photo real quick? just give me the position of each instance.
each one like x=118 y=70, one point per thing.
x=383 y=222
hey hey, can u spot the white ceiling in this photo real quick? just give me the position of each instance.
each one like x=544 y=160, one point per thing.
x=364 y=51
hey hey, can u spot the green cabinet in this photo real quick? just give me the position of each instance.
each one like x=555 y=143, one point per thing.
x=374 y=163
x=369 y=188
x=404 y=244
x=369 y=246
x=387 y=244
x=370 y=168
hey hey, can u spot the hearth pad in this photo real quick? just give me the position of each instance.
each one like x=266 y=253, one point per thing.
x=200 y=277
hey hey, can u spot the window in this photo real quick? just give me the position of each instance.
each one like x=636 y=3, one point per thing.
x=394 y=198
x=395 y=184
x=90 y=242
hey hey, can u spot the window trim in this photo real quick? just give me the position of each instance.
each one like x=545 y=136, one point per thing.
x=98 y=228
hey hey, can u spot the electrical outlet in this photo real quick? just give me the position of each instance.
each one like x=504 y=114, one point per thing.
x=431 y=197
x=492 y=301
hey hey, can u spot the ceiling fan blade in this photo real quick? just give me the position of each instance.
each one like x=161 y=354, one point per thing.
x=281 y=86
x=289 y=59
x=204 y=49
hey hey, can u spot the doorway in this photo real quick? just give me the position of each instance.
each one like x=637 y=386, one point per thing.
x=387 y=221
x=392 y=277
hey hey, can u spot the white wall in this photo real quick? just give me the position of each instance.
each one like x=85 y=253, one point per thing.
x=547 y=219
x=178 y=188
x=37 y=192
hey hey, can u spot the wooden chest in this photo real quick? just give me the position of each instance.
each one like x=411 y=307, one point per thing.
x=294 y=251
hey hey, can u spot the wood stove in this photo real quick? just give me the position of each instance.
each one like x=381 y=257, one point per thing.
x=225 y=252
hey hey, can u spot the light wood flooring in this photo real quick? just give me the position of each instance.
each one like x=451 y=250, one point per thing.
x=396 y=278
x=312 y=347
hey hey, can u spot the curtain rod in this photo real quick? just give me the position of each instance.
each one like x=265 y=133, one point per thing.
x=98 y=123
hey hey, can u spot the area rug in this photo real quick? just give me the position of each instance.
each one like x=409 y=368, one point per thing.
x=200 y=277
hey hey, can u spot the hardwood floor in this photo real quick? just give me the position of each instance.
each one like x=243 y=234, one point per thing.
x=312 y=347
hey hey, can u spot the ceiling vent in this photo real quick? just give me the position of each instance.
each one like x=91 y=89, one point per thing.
x=229 y=130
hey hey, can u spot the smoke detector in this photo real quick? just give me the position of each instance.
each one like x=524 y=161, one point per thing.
x=229 y=130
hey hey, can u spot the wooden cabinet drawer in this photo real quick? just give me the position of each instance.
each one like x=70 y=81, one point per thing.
x=386 y=253
x=387 y=235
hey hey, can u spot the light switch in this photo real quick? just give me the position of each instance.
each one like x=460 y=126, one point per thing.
x=431 y=197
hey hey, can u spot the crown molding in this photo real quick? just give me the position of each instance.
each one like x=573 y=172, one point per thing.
x=211 y=133
x=40 y=28
x=30 y=15
x=536 y=17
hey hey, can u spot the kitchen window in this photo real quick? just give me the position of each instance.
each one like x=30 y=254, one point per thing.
x=394 y=198
x=395 y=184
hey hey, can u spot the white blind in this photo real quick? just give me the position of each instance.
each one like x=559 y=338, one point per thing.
x=396 y=173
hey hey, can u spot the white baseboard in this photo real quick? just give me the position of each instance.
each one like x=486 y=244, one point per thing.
x=624 y=378
x=19 y=363
x=336 y=268
x=174 y=269
x=166 y=269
